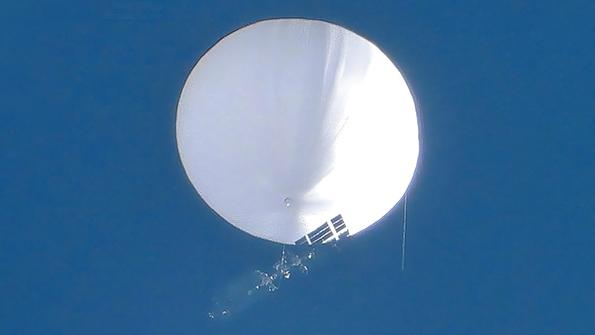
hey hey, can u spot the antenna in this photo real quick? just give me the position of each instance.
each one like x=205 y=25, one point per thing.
x=404 y=235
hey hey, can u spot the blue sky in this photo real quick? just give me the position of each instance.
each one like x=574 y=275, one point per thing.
x=101 y=232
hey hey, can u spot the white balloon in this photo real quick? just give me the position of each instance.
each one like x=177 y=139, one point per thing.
x=286 y=124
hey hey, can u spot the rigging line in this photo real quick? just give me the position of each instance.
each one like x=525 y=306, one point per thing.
x=404 y=235
x=283 y=261
x=283 y=269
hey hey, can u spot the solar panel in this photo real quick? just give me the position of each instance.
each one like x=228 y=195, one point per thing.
x=333 y=229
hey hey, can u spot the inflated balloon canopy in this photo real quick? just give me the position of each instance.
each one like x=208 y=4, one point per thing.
x=297 y=131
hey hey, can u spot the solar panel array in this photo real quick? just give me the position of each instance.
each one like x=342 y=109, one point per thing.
x=330 y=230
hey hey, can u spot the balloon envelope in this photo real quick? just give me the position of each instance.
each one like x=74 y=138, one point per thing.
x=297 y=131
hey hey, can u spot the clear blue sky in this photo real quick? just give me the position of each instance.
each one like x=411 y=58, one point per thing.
x=101 y=232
